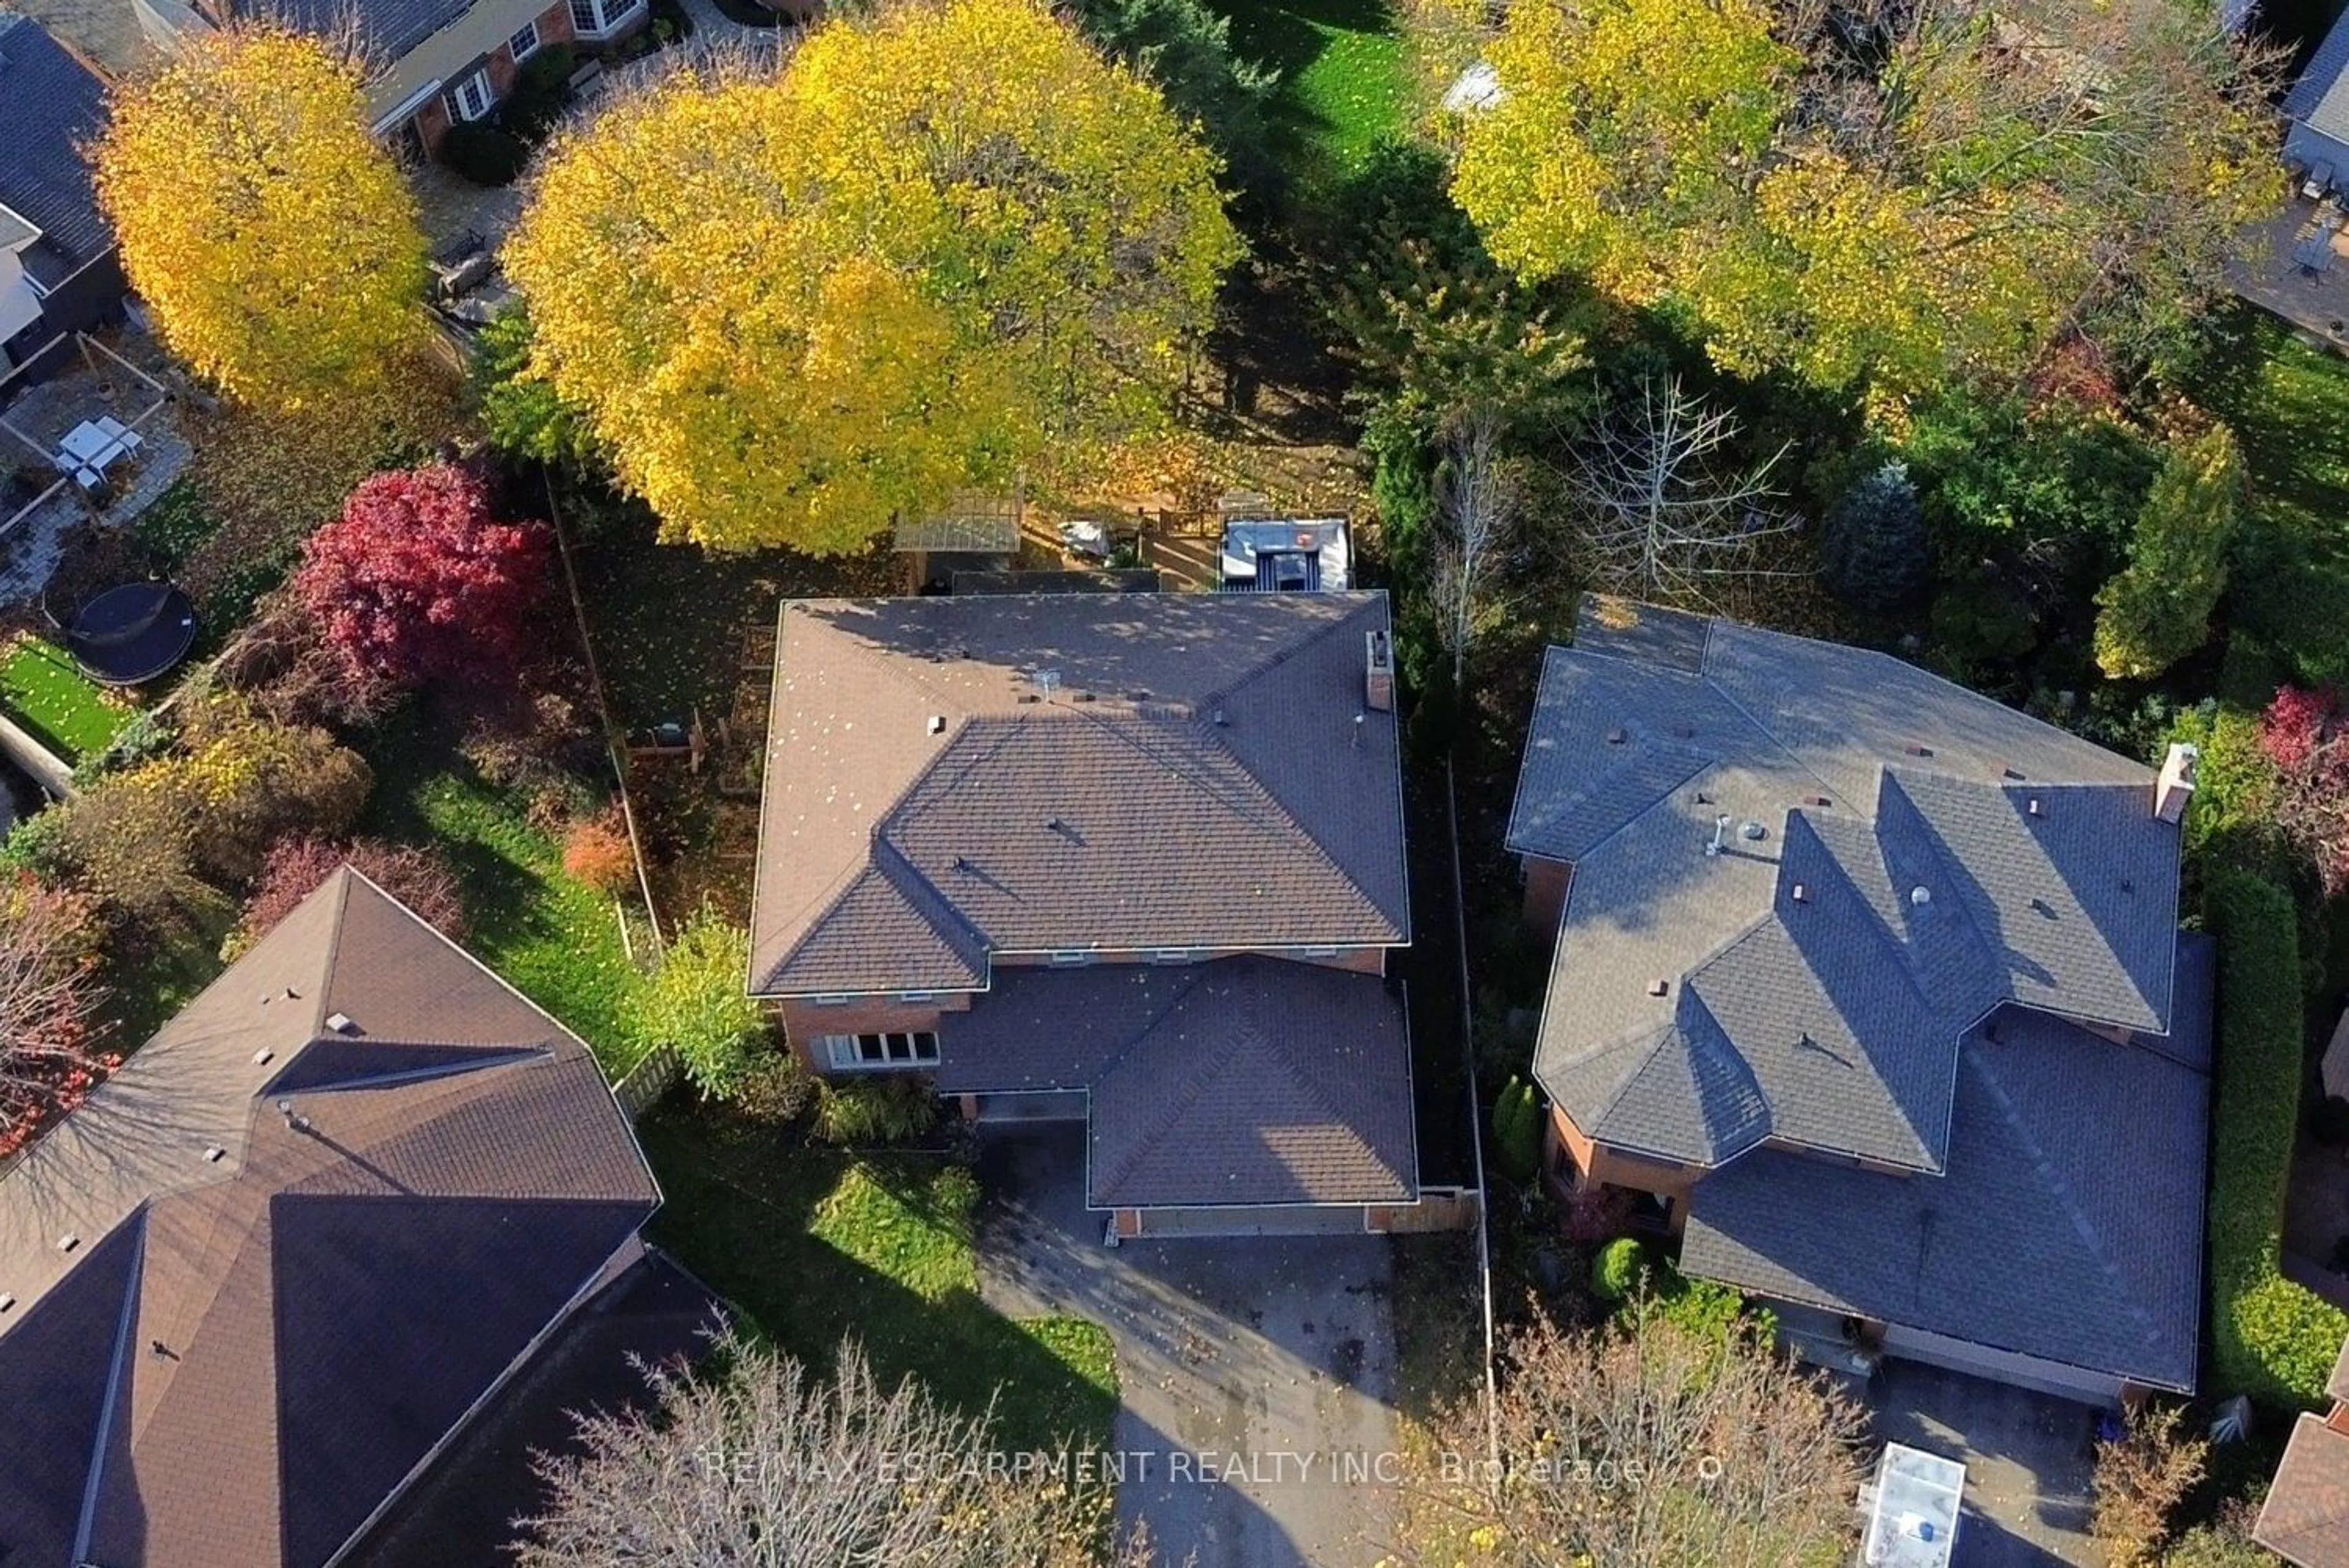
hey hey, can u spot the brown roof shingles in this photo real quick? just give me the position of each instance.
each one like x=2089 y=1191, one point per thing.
x=196 y=1469
x=916 y=726
x=2306 y=1516
x=1246 y=1081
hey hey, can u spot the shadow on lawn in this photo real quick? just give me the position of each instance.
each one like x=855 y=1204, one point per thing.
x=741 y=1209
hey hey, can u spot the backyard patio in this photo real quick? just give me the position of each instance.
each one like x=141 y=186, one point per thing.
x=2296 y=265
x=98 y=440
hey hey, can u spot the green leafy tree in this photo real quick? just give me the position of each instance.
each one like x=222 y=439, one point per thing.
x=1874 y=551
x=1185 y=47
x=522 y=415
x=2158 y=610
x=695 y=1004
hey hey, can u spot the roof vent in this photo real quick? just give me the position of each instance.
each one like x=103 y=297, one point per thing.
x=7 y=1301
x=261 y=1057
x=1143 y=696
x=1921 y=896
x=1083 y=695
x=937 y=723
x=214 y=1154
x=1617 y=735
x=1658 y=987
x=2036 y=808
x=68 y=1241
x=1220 y=720
x=2010 y=771
x=1916 y=749
x=340 y=1023
x=1802 y=894
x=1029 y=696
x=1817 y=800
x=962 y=863
x=291 y=995
x=1750 y=828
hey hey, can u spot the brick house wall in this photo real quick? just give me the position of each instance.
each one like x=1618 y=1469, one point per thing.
x=1545 y=885
x=434 y=117
x=1594 y=1161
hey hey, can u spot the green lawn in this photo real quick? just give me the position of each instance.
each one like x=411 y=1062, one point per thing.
x=553 y=937
x=44 y=690
x=814 y=1245
x=1345 y=82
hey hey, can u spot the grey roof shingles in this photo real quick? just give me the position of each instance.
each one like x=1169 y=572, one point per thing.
x=1248 y=1081
x=1864 y=779
x=386 y=29
x=2067 y=1224
x=328 y=1296
x=50 y=105
x=1203 y=774
x=1956 y=860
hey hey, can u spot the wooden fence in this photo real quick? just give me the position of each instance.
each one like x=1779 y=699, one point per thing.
x=642 y=1086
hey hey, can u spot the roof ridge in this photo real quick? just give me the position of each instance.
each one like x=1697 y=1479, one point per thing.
x=1135 y=735
x=1291 y=650
x=1207 y=1066
x=1183 y=985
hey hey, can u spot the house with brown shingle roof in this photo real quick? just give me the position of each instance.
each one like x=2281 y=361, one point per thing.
x=1133 y=859
x=2305 y=1519
x=262 y=1276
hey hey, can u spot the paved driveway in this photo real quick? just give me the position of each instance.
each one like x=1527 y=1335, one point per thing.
x=1258 y=1373
x=2026 y=1456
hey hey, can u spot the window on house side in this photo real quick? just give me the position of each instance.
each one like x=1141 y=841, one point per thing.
x=472 y=99
x=849 y=1052
x=525 y=43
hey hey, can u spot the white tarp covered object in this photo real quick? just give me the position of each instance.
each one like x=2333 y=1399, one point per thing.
x=1912 y=1520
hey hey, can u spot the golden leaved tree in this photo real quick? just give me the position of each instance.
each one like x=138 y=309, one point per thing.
x=277 y=243
x=1876 y=195
x=944 y=242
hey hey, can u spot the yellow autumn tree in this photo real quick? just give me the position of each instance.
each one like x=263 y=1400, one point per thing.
x=275 y=242
x=944 y=242
x=1880 y=199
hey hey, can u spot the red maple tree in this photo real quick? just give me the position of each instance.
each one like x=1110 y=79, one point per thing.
x=416 y=580
x=2306 y=734
x=419 y=878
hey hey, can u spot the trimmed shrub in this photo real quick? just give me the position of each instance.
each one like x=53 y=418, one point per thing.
x=875 y=1110
x=485 y=153
x=1620 y=1270
x=2272 y=1339
x=1516 y=1130
x=1706 y=1308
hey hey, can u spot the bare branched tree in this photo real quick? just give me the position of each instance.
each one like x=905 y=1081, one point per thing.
x=1478 y=511
x=1660 y=515
x=50 y=1057
x=757 y=1465
x=1648 y=1443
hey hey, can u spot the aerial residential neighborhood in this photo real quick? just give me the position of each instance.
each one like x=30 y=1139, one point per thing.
x=1134 y=783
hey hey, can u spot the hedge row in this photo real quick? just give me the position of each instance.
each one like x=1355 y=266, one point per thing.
x=2272 y=1339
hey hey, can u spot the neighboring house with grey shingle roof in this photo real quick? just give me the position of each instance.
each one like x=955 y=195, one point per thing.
x=58 y=272
x=1136 y=859
x=254 y=1284
x=2305 y=1519
x=1874 y=987
x=2317 y=108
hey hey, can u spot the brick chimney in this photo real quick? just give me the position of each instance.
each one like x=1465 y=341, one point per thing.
x=2176 y=786
x=1378 y=663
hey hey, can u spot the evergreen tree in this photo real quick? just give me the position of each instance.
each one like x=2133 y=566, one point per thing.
x=1873 y=549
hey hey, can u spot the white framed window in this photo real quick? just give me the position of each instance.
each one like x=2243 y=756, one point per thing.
x=597 y=18
x=830 y=1001
x=525 y=43
x=472 y=99
x=1316 y=952
x=1175 y=955
x=1070 y=958
x=917 y=996
x=862 y=1053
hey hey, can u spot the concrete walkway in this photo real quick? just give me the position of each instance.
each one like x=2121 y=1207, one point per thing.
x=1257 y=1373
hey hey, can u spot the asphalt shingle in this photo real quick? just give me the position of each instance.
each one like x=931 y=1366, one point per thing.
x=50 y=105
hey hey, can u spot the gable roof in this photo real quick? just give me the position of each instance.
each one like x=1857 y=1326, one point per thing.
x=1245 y=1081
x=50 y=104
x=397 y=1208
x=1697 y=1007
x=1200 y=773
x=2067 y=1224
